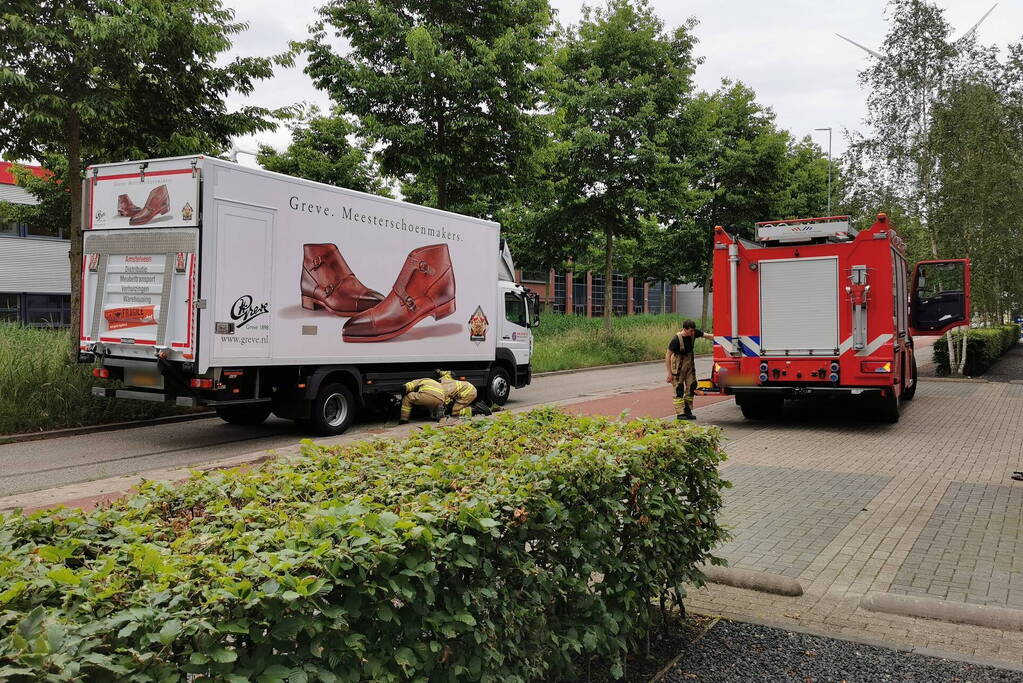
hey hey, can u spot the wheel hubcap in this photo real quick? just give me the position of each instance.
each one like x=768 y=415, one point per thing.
x=335 y=410
x=499 y=386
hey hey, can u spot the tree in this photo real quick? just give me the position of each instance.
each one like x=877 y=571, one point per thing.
x=742 y=174
x=49 y=216
x=99 y=80
x=980 y=191
x=321 y=150
x=624 y=79
x=446 y=91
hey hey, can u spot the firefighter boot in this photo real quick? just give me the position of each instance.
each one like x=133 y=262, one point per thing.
x=328 y=282
x=425 y=287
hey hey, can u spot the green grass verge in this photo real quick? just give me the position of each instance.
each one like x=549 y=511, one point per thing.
x=566 y=342
x=40 y=389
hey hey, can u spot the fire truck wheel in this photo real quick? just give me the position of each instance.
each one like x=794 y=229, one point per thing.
x=244 y=414
x=909 y=392
x=888 y=408
x=762 y=407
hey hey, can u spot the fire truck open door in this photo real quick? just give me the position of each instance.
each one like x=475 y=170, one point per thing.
x=940 y=297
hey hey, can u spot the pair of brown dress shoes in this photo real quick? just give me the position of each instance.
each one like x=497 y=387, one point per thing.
x=424 y=287
x=157 y=204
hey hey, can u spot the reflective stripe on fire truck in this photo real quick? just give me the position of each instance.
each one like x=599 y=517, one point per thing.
x=873 y=346
x=750 y=346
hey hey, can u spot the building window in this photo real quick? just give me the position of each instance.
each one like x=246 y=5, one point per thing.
x=47 y=310
x=637 y=296
x=534 y=276
x=579 y=294
x=597 y=308
x=38 y=231
x=558 y=304
x=620 y=294
x=10 y=228
x=10 y=308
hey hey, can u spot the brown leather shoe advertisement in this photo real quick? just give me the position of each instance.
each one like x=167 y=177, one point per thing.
x=425 y=287
x=329 y=283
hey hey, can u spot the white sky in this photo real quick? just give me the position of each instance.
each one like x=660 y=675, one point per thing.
x=785 y=50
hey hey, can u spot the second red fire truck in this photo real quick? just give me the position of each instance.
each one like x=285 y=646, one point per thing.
x=815 y=308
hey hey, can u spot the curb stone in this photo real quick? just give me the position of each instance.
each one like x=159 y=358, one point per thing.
x=1001 y=618
x=753 y=580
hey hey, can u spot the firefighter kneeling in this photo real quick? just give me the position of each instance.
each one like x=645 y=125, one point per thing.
x=461 y=395
x=423 y=392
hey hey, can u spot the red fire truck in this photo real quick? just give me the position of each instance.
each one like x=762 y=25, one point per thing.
x=814 y=308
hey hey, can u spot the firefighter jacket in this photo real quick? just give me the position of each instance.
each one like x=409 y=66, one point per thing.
x=458 y=391
x=426 y=386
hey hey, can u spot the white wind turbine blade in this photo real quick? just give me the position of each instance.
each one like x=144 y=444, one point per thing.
x=862 y=47
x=974 y=28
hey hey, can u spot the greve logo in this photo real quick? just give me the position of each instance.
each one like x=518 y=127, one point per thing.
x=243 y=311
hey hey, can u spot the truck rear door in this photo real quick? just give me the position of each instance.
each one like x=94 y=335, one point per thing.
x=140 y=260
x=798 y=306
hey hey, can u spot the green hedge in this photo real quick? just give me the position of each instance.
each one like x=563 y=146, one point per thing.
x=500 y=550
x=984 y=346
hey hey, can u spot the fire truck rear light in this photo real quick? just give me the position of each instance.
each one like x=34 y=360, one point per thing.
x=763 y=367
x=102 y=373
x=875 y=366
x=835 y=367
x=200 y=383
x=302 y=385
x=833 y=377
x=763 y=377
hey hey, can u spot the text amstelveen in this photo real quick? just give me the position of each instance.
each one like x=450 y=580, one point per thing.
x=348 y=214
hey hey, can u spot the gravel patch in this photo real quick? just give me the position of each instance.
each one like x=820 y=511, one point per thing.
x=735 y=651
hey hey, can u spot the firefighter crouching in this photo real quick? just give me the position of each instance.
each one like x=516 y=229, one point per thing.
x=422 y=392
x=461 y=395
x=681 y=364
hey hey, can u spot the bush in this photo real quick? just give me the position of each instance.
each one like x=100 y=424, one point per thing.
x=984 y=346
x=565 y=342
x=41 y=389
x=499 y=550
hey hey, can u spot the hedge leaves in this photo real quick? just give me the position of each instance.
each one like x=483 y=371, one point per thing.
x=502 y=549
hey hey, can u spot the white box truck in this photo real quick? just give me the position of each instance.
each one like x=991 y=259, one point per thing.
x=209 y=283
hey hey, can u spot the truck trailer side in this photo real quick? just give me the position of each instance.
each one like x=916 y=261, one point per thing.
x=208 y=283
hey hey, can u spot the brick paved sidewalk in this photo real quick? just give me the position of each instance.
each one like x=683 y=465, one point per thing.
x=848 y=507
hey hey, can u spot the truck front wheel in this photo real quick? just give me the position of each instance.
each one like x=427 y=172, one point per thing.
x=247 y=415
x=333 y=410
x=498 y=385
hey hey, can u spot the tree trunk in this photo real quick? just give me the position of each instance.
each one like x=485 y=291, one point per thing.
x=609 y=246
x=442 y=172
x=706 y=300
x=73 y=129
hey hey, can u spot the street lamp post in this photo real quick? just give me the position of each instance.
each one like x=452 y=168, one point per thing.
x=829 y=167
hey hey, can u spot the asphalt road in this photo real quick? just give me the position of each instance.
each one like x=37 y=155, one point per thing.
x=35 y=465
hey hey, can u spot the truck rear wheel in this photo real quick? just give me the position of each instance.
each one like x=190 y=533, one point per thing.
x=762 y=407
x=498 y=385
x=909 y=392
x=888 y=406
x=333 y=410
x=244 y=414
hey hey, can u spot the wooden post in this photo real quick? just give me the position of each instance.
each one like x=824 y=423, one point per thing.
x=589 y=294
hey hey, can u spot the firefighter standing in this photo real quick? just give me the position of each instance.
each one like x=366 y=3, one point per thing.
x=422 y=392
x=681 y=365
x=459 y=394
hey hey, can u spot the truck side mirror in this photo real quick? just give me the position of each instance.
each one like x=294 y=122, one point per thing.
x=940 y=301
x=534 y=308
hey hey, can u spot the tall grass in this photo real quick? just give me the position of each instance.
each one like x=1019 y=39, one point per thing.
x=40 y=389
x=565 y=342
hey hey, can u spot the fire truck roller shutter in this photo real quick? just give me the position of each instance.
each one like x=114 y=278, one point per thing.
x=799 y=306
